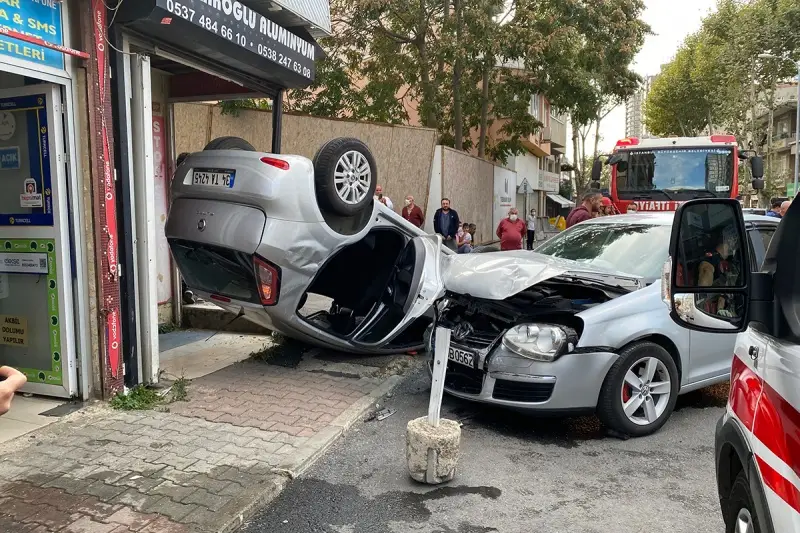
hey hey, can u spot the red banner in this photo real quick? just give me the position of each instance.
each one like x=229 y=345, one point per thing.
x=40 y=42
x=112 y=309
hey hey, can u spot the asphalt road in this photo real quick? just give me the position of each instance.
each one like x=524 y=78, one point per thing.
x=517 y=474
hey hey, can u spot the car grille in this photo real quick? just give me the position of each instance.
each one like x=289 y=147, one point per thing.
x=460 y=378
x=478 y=340
x=520 y=391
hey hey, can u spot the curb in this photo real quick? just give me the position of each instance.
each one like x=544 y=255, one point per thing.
x=307 y=455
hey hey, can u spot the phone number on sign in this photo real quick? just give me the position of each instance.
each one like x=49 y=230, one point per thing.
x=226 y=32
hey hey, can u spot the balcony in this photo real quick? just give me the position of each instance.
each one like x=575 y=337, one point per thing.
x=537 y=144
x=558 y=133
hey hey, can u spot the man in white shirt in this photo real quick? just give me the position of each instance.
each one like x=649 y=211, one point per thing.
x=531 y=228
x=383 y=199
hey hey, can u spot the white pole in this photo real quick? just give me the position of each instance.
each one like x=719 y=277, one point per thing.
x=440 y=351
x=797 y=134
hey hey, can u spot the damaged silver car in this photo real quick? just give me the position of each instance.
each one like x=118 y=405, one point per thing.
x=302 y=248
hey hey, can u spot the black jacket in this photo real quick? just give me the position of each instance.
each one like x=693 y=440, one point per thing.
x=450 y=228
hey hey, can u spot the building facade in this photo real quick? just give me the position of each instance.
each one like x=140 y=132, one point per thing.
x=634 y=111
x=86 y=150
x=778 y=143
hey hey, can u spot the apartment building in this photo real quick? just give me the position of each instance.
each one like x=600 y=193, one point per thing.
x=780 y=144
x=634 y=111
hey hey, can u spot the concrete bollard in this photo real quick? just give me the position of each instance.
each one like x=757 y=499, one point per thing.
x=432 y=443
x=432 y=452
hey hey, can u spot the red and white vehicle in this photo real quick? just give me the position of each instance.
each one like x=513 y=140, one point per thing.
x=758 y=438
x=659 y=174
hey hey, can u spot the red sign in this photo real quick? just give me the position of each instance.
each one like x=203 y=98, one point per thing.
x=653 y=205
x=40 y=42
x=112 y=309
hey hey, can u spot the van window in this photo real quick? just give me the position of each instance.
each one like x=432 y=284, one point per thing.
x=760 y=237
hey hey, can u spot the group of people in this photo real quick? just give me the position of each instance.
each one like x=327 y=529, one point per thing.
x=778 y=208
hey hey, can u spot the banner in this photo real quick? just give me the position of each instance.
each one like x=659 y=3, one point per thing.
x=38 y=20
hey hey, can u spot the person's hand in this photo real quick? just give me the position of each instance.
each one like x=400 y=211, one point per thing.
x=725 y=312
x=13 y=380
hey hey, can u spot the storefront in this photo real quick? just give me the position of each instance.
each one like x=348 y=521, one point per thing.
x=169 y=51
x=43 y=280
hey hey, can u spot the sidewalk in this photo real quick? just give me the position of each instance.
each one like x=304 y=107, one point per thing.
x=207 y=463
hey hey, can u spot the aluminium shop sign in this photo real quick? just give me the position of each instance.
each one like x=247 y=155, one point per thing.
x=247 y=29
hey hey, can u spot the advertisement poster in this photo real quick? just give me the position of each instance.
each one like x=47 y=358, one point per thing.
x=40 y=18
x=9 y=157
x=14 y=330
x=163 y=260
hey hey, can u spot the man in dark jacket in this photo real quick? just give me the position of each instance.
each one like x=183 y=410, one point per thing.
x=445 y=223
x=775 y=211
x=589 y=206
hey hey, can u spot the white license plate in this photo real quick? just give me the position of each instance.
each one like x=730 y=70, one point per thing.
x=462 y=357
x=214 y=178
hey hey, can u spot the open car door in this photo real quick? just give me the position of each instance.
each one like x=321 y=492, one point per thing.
x=414 y=286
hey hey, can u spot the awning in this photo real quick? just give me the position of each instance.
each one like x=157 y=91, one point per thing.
x=235 y=40
x=557 y=198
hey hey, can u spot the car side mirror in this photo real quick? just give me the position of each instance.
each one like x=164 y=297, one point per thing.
x=708 y=273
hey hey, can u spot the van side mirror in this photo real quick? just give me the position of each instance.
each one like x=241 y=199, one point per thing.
x=708 y=273
x=757 y=165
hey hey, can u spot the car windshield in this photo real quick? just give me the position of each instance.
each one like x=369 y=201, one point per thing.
x=638 y=249
x=675 y=174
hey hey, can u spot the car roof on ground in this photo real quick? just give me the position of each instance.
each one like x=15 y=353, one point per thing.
x=663 y=219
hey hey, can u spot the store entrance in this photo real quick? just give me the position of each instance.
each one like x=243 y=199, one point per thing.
x=36 y=300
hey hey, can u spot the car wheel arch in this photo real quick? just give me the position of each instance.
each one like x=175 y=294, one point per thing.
x=663 y=341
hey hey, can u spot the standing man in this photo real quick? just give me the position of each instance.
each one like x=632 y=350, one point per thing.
x=445 y=223
x=589 y=206
x=510 y=231
x=531 y=229
x=413 y=213
x=383 y=199
x=784 y=207
x=775 y=210
x=11 y=380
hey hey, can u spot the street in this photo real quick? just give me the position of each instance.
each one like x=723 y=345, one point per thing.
x=516 y=474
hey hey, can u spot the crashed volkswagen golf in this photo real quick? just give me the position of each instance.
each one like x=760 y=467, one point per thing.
x=262 y=235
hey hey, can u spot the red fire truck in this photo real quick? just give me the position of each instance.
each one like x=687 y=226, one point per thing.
x=660 y=174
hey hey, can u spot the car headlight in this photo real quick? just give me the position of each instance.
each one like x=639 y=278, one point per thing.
x=540 y=342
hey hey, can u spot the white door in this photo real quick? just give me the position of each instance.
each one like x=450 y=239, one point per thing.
x=36 y=299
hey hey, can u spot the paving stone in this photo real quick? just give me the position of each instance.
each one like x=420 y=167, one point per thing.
x=69 y=484
x=174 y=510
x=87 y=525
x=203 y=498
x=103 y=491
x=50 y=517
x=174 y=491
x=137 y=500
x=132 y=520
x=165 y=525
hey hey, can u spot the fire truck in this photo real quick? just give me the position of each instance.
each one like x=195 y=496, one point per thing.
x=659 y=174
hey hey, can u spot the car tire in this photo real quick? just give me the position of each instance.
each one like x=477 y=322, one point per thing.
x=229 y=143
x=741 y=510
x=654 y=408
x=352 y=160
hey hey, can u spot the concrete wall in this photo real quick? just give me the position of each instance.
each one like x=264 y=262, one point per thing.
x=403 y=154
x=469 y=184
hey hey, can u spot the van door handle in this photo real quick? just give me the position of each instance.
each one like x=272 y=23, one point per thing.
x=754 y=351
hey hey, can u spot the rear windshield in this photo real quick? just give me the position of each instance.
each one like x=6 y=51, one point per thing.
x=216 y=270
x=638 y=249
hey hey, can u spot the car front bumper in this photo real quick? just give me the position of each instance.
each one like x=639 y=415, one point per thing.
x=570 y=383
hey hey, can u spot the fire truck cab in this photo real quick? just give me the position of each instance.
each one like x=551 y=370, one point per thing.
x=658 y=174
x=757 y=444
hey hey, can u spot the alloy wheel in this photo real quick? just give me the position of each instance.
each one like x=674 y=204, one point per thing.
x=646 y=391
x=744 y=522
x=352 y=177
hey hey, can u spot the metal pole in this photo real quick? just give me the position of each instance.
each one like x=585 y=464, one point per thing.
x=797 y=134
x=277 y=121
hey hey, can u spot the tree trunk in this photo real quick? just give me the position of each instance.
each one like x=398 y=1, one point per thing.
x=596 y=138
x=427 y=107
x=458 y=122
x=484 y=129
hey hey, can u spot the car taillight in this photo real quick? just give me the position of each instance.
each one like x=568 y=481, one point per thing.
x=277 y=163
x=268 y=280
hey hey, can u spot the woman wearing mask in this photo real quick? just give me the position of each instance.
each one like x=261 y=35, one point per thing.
x=531 y=229
x=510 y=231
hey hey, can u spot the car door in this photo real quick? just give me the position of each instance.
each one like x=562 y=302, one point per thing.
x=711 y=352
x=760 y=238
x=419 y=274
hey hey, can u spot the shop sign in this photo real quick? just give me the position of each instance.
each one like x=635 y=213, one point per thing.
x=14 y=330
x=9 y=157
x=248 y=29
x=23 y=263
x=38 y=20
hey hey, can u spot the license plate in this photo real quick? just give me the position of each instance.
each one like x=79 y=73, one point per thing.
x=460 y=356
x=214 y=177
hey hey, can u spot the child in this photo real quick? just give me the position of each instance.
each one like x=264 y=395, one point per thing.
x=464 y=239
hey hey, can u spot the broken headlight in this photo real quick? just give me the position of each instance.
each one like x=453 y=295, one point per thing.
x=540 y=342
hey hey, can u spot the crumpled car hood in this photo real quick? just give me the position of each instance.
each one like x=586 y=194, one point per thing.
x=499 y=275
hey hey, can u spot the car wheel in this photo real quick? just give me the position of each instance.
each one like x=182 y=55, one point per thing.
x=230 y=143
x=741 y=516
x=345 y=176
x=640 y=390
